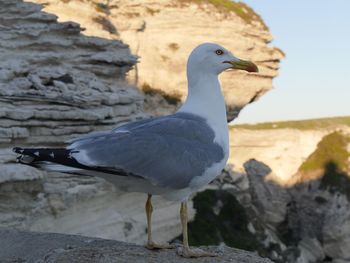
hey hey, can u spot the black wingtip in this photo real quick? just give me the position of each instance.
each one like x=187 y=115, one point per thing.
x=17 y=150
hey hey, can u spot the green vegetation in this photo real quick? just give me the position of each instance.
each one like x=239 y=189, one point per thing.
x=220 y=218
x=301 y=125
x=330 y=159
x=331 y=149
x=172 y=99
x=239 y=8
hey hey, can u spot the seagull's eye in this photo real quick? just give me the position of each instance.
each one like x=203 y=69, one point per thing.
x=219 y=52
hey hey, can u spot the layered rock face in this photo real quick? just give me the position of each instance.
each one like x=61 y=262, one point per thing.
x=55 y=84
x=163 y=33
x=78 y=205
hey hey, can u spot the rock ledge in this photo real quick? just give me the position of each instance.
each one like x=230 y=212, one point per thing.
x=22 y=246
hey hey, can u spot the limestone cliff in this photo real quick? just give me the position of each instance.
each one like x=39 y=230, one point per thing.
x=283 y=146
x=55 y=84
x=163 y=33
x=283 y=150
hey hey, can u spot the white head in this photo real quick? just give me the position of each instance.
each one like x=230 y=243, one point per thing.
x=210 y=58
x=204 y=65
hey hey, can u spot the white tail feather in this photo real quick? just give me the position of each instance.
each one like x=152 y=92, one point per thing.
x=54 y=167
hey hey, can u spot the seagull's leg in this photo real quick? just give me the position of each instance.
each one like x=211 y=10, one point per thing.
x=185 y=251
x=150 y=243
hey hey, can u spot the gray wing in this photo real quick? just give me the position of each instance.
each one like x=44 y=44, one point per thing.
x=167 y=151
x=95 y=135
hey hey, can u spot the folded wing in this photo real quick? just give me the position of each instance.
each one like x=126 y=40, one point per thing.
x=168 y=151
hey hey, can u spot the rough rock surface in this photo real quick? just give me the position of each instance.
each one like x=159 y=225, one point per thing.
x=82 y=205
x=267 y=196
x=55 y=84
x=17 y=246
x=163 y=33
x=304 y=222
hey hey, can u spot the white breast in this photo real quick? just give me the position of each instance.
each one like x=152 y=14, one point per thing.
x=205 y=99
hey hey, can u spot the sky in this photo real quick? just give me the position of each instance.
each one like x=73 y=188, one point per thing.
x=314 y=78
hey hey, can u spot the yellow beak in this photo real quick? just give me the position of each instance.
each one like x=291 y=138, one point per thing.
x=244 y=65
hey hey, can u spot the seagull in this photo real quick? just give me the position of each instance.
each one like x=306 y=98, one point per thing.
x=172 y=156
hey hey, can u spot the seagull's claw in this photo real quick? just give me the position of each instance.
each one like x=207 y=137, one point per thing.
x=194 y=253
x=154 y=246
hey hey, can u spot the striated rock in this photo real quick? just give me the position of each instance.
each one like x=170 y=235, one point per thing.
x=82 y=205
x=13 y=172
x=163 y=33
x=56 y=83
x=18 y=246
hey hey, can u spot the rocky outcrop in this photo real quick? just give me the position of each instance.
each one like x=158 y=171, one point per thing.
x=306 y=221
x=56 y=83
x=267 y=196
x=163 y=33
x=81 y=205
x=20 y=246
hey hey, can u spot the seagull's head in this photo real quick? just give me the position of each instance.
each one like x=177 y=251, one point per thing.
x=211 y=58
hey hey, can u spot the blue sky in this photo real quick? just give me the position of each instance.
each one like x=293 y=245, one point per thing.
x=314 y=79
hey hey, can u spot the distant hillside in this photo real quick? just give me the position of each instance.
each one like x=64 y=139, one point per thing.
x=330 y=161
x=323 y=123
x=286 y=146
